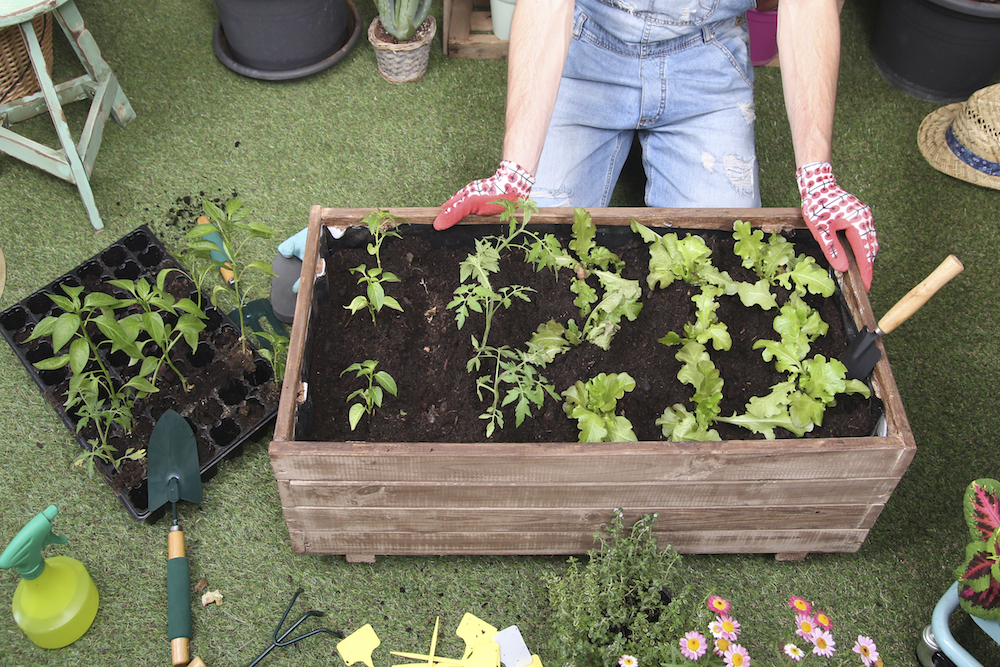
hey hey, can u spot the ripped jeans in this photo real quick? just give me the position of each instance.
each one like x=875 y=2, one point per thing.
x=690 y=98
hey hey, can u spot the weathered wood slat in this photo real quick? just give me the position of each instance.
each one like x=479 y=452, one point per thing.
x=665 y=496
x=567 y=519
x=624 y=463
x=701 y=542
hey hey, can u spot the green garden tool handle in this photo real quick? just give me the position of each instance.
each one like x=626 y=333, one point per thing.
x=178 y=597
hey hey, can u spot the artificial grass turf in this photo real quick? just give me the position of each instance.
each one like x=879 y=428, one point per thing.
x=347 y=138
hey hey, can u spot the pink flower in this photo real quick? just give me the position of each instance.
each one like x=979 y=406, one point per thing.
x=823 y=643
x=794 y=652
x=729 y=627
x=715 y=627
x=693 y=646
x=737 y=656
x=800 y=605
x=721 y=646
x=628 y=661
x=865 y=647
x=822 y=620
x=719 y=605
x=805 y=625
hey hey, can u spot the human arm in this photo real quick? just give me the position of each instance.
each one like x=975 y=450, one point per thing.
x=539 y=40
x=809 y=44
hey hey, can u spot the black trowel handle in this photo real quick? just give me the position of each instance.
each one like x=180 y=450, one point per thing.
x=918 y=296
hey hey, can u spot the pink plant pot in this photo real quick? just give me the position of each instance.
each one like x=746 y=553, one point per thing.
x=763 y=35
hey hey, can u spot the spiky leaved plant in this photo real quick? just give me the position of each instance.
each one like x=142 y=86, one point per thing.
x=401 y=18
x=979 y=575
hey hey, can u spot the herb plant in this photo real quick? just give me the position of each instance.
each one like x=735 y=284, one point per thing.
x=631 y=597
x=371 y=395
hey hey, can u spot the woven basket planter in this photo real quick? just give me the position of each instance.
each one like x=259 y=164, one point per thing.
x=407 y=61
x=17 y=78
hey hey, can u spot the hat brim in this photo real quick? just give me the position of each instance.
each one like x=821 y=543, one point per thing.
x=931 y=140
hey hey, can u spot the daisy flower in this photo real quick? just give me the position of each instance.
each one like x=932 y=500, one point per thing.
x=719 y=605
x=730 y=627
x=737 y=656
x=715 y=627
x=721 y=646
x=823 y=643
x=628 y=661
x=805 y=625
x=794 y=652
x=865 y=647
x=823 y=620
x=800 y=605
x=693 y=645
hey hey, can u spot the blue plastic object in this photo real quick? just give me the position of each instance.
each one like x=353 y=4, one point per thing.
x=942 y=632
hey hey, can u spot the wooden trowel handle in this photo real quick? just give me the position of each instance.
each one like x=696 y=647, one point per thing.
x=918 y=296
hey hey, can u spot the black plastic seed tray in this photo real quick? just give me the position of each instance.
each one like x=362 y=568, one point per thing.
x=231 y=392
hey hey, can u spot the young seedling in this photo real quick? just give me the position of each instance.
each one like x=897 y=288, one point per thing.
x=165 y=319
x=94 y=393
x=227 y=253
x=371 y=396
x=381 y=225
x=592 y=404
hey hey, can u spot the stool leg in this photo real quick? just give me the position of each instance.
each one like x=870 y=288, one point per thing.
x=77 y=170
x=87 y=51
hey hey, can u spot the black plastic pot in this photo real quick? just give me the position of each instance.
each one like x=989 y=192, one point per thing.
x=224 y=416
x=938 y=50
x=284 y=39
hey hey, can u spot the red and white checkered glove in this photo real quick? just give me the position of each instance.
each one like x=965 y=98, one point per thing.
x=827 y=209
x=510 y=182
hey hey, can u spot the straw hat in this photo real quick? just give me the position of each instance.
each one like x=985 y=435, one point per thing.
x=963 y=139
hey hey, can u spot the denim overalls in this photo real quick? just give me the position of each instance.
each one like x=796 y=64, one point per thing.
x=676 y=71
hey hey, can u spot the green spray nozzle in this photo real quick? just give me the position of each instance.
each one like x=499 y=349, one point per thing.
x=25 y=551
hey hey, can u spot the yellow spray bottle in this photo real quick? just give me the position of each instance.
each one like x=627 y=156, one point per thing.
x=56 y=600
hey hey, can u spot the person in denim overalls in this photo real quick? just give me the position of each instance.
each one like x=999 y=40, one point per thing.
x=585 y=76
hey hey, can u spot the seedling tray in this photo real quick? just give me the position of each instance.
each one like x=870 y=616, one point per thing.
x=222 y=413
x=363 y=498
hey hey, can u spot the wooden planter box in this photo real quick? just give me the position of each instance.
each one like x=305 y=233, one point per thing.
x=787 y=497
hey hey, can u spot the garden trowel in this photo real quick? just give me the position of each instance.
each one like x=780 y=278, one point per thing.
x=863 y=353
x=173 y=475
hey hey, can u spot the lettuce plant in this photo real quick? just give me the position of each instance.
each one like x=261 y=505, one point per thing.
x=979 y=574
x=592 y=404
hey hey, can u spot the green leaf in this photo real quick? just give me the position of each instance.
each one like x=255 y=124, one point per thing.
x=65 y=328
x=51 y=363
x=263 y=267
x=756 y=294
x=95 y=300
x=142 y=384
x=391 y=302
x=79 y=355
x=386 y=381
x=355 y=414
x=358 y=303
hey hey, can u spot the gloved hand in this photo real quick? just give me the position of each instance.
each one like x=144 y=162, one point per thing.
x=511 y=181
x=295 y=246
x=827 y=209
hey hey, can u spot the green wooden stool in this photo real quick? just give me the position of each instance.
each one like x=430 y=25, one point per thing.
x=74 y=162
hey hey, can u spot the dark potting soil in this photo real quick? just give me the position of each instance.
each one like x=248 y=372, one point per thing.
x=425 y=352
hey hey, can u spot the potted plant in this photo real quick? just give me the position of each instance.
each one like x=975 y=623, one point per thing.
x=279 y=40
x=630 y=598
x=938 y=50
x=979 y=574
x=401 y=35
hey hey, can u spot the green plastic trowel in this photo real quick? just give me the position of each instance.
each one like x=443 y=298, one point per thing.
x=173 y=475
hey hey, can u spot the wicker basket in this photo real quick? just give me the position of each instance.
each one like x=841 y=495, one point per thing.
x=405 y=62
x=17 y=77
